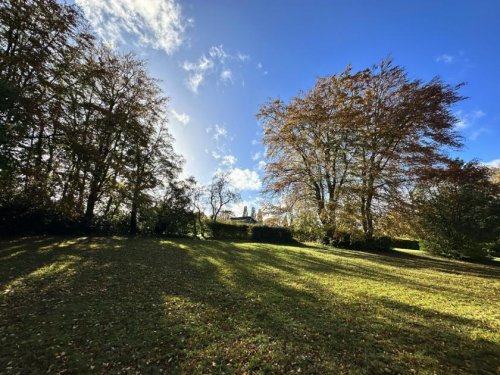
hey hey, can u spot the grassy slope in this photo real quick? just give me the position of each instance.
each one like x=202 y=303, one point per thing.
x=145 y=305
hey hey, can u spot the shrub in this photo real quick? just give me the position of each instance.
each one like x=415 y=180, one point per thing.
x=403 y=243
x=262 y=233
x=460 y=219
x=228 y=231
x=22 y=216
x=356 y=241
x=258 y=233
x=341 y=239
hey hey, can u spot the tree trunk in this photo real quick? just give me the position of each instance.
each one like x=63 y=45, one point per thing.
x=367 y=216
x=91 y=201
x=133 y=219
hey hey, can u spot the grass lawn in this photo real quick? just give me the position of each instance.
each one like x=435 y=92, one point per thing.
x=117 y=305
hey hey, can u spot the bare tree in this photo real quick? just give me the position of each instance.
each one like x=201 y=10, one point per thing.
x=220 y=193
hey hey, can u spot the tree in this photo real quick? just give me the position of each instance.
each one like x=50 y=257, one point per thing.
x=198 y=195
x=260 y=216
x=310 y=144
x=83 y=134
x=245 y=211
x=221 y=193
x=252 y=214
x=405 y=127
x=357 y=136
x=38 y=40
x=226 y=214
x=459 y=211
x=174 y=214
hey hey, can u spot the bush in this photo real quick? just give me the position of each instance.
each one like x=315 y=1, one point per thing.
x=460 y=219
x=263 y=233
x=403 y=243
x=228 y=231
x=258 y=233
x=356 y=241
x=22 y=216
x=341 y=239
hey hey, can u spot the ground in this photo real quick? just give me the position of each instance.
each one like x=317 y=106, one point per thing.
x=117 y=305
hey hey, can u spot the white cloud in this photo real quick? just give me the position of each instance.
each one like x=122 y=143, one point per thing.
x=219 y=132
x=475 y=134
x=262 y=164
x=197 y=71
x=183 y=118
x=445 y=58
x=467 y=119
x=226 y=75
x=245 y=179
x=259 y=65
x=229 y=160
x=218 y=53
x=256 y=156
x=495 y=163
x=216 y=61
x=242 y=57
x=152 y=23
x=255 y=142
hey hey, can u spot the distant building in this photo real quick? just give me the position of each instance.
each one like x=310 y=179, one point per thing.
x=244 y=219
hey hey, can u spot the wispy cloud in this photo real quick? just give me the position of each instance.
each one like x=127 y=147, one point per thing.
x=467 y=119
x=182 y=118
x=219 y=131
x=228 y=160
x=242 y=57
x=226 y=75
x=445 y=58
x=256 y=156
x=157 y=24
x=215 y=61
x=260 y=66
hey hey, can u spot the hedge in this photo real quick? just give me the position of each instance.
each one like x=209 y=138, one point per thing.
x=228 y=231
x=258 y=233
x=405 y=243
x=353 y=241
x=263 y=233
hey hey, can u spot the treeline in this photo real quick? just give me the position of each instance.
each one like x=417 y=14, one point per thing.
x=364 y=154
x=83 y=137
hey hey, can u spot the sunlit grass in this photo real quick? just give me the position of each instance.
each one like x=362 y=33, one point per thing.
x=120 y=305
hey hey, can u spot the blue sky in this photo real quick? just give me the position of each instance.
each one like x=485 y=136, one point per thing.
x=219 y=60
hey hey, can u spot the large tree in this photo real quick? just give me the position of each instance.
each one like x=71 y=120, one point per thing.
x=39 y=39
x=82 y=128
x=405 y=127
x=357 y=136
x=311 y=144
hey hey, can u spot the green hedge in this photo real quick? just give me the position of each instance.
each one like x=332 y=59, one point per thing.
x=258 y=233
x=405 y=244
x=228 y=231
x=263 y=233
x=350 y=241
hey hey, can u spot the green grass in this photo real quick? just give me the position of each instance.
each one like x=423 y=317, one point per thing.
x=116 y=305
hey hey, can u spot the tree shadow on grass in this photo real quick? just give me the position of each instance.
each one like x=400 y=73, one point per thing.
x=419 y=260
x=141 y=305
